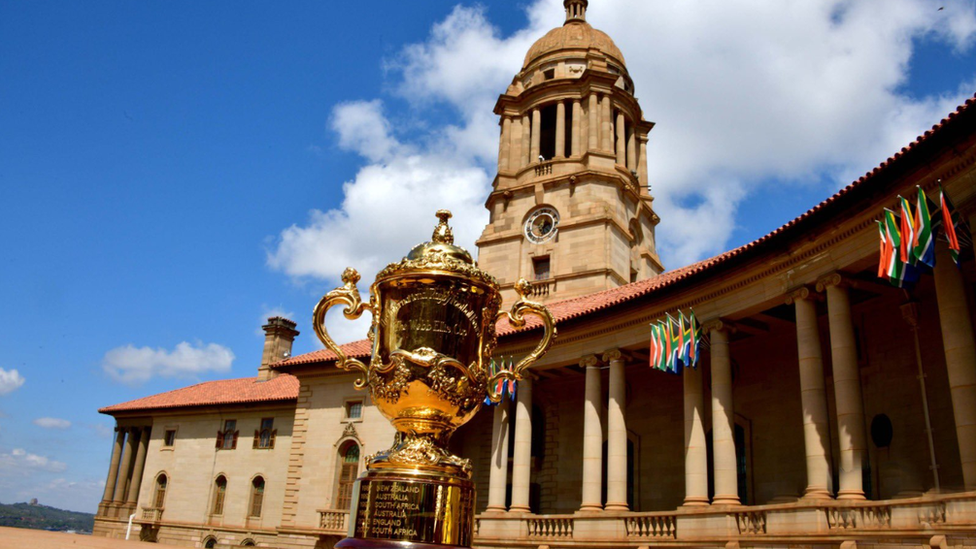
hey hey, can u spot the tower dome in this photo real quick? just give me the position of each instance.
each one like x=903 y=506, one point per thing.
x=576 y=35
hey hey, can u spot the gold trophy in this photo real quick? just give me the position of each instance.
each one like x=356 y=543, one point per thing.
x=433 y=333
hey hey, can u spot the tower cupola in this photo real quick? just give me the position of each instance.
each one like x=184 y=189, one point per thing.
x=571 y=206
x=575 y=10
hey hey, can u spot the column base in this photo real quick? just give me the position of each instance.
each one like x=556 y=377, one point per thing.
x=726 y=500
x=816 y=493
x=851 y=495
x=591 y=508
x=519 y=509
x=616 y=506
x=495 y=509
x=696 y=501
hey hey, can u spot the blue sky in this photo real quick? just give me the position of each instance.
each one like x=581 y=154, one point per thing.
x=173 y=172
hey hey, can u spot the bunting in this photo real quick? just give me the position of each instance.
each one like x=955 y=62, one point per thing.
x=503 y=386
x=906 y=240
x=675 y=342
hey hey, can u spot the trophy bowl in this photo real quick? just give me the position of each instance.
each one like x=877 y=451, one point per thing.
x=432 y=334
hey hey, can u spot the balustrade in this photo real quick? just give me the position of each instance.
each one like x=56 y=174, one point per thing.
x=643 y=526
x=334 y=520
x=550 y=527
x=152 y=514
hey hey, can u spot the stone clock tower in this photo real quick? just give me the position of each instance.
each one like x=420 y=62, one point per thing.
x=570 y=207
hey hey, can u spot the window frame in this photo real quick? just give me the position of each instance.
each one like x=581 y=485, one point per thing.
x=228 y=433
x=347 y=406
x=256 y=497
x=346 y=483
x=169 y=444
x=264 y=436
x=219 y=496
x=159 y=490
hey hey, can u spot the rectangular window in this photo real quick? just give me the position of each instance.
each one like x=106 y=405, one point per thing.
x=540 y=267
x=227 y=439
x=169 y=439
x=264 y=438
x=354 y=409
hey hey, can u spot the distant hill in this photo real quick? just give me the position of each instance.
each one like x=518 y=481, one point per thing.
x=42 y=517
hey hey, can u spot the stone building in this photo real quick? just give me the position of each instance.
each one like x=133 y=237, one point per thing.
x=831 y=409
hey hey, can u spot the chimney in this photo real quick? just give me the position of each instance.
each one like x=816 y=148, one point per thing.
x=279 y=334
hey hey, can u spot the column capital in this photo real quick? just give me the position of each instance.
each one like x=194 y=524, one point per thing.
x=718 y=324
x=589 y=361
x=611 y=355
x=803 y=293
x=833 y=279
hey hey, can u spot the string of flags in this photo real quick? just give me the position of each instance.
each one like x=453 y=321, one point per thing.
x=675 y=343
x=907 y=238
x=503 y=386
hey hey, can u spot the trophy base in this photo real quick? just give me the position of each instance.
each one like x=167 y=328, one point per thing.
x=354 y=543
x=410 y=509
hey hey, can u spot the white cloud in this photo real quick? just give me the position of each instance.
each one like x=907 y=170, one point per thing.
x=10 y=381
x=134 y=365
x=18 y=459
x=101 y=430
x=52 y=423
x=744 y=94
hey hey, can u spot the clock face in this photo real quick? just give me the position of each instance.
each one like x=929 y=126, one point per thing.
x=542 y=225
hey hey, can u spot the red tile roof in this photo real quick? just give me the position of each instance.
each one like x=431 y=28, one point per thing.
x=283 y=387
x=580 y=306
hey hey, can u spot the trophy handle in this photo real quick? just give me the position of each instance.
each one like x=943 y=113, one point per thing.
x=516 y=318
x=347 y=294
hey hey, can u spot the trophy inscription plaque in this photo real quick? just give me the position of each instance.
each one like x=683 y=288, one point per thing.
x=432 y=334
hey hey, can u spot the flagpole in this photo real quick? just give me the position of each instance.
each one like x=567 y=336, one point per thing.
x=909 y=312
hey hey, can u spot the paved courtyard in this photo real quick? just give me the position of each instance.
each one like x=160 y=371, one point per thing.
x=19 y=538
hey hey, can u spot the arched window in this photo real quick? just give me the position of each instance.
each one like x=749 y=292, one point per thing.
x=160 y=496
x=210 y=542
x=248 y=543
x=257 y=496
x=348 y=470
x=220 y=490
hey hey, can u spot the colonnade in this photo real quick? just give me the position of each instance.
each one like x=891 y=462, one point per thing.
x=594 y=125
x=851 y=435
x=125 y=470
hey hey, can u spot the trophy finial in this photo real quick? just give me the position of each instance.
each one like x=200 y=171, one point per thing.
x=442 y=232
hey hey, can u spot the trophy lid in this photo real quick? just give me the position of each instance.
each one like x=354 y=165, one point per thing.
x=441 y=243
x=439 y=254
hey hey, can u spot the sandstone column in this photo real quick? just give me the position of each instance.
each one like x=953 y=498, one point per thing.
x=605 y=125
x=621 y=128
x=696 y=457
x=813 y=397
x=561 y=129
x=504 y=144
x=593 y=142
x=499 y=457
x=124 y=467
x=574 y=139
x=536 y=134
x=526 y=141
x=631 y=150
x=592 y=438
x=521 y=462
x=132 y=494
x=847 y=387
x=960 y=354
x=723 y=443
x=113 y=467
x=642 y=163
x=617 y=472
x=515 y=156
